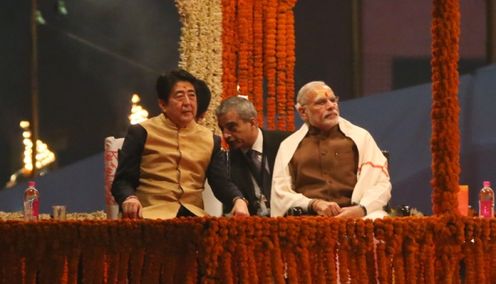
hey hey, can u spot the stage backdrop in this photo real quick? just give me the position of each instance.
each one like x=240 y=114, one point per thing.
x=400 y=121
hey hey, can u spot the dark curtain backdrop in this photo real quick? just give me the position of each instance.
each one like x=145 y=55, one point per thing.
x=91 y=62
x=323 y=44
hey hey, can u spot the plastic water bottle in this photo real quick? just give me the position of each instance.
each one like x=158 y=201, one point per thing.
x=486 y=200
x=31 y=202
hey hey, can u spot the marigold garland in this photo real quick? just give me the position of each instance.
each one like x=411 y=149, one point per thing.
x=424 y=250
x=382 y=268
x=242 y=255
x=281 y=65
x=480 y=262
x=276 y=260
x=331 y=230
x=245 y=43
x=361 y=251
x=319 y=271
x=258 y=59
x=343 y=253
x=492 y=249
x=398 y=263
x=445 y=141
x=370 y=265
x=290 y=67
x=291 y=237
x=229 y=81
x=411 y=253
x=270 y=63
x=251 y=244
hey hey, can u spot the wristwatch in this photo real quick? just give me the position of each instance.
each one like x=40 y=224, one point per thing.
x=240 y=197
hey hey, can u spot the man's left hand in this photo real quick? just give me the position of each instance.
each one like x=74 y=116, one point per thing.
x=240 y=208
x=351 y=212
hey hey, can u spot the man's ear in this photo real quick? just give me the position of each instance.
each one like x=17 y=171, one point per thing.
x=162 y=104
x=303 y=113
x=254 y=122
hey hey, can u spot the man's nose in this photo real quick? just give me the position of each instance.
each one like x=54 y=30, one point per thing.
x=226 y=134
x=331 y=103
x=187 y=100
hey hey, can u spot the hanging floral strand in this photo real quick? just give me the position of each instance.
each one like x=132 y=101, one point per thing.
x=245 y=41
x=285 y=64
x=229 y=80
x=258 y=59
x=281 y=56
x=290 y=66
x=270 y=62
x=445 y=141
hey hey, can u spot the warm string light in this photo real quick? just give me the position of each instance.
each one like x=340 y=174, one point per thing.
x=44 y=156
x=138 y=113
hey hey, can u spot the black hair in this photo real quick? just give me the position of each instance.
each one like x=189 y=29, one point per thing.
x=203 y=96
x=166 y=82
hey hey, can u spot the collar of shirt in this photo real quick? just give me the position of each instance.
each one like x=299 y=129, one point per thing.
x=313 y=131
x=258 y=145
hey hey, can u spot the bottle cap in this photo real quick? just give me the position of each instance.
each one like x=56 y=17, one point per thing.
x=31 y=184
x=486 y=183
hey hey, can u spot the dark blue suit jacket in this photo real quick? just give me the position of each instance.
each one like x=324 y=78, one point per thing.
x=240 y=172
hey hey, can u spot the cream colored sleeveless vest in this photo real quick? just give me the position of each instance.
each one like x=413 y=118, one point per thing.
x=173 y=166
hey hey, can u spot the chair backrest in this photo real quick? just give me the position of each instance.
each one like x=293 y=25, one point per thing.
x=112 y=146
x=211 y=204
x=386 y=154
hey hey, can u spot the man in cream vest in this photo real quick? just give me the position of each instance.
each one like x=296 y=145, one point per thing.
x=165 y=160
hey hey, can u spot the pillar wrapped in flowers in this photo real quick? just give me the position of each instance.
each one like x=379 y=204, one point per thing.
x=445 y=142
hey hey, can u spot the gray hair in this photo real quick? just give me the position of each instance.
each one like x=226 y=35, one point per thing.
x=307 y=89
x=243 y=107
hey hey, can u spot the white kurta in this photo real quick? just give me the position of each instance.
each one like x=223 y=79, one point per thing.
x=373 y=187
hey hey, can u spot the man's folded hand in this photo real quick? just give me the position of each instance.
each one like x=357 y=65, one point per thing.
x=131 y=208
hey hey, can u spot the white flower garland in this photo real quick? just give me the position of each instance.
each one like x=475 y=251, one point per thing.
x=200 y=47
x=18 y=216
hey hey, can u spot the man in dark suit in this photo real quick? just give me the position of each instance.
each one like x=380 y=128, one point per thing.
x=252 y=152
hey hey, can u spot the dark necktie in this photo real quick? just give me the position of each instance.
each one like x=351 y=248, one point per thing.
x=261 y=174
